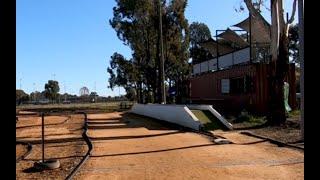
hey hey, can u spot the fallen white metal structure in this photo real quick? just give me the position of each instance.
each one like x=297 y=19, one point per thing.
x=178 y=114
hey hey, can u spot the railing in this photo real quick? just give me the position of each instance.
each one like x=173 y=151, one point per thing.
x=222 y=62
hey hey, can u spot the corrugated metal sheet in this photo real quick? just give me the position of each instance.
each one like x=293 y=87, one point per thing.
x=206 y=88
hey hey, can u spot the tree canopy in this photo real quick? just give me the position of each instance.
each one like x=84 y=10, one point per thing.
x=51 y=89
x=199 y=32
x=21 y=96
x=294 y=44
x=136 y=23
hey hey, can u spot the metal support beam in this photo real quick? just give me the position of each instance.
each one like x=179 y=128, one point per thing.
x=42 y=118
x=162 y=58
x=301 y=57
x=250 y=16
x=217 y=50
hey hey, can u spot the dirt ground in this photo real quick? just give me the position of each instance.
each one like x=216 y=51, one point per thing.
x=289 y=132
x=64 y=142
x=20 y=150
x=126 y=146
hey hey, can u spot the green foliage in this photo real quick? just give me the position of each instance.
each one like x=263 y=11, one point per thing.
x=121 y=72
x=294 y=43
x=136 y=23
x=131 y=94
x=209 y=121
x=294 y=113
x=21 y=96
x=245 y=117
x=52 y=89
x=93 y=94
x=36 y=95
x=199 y=32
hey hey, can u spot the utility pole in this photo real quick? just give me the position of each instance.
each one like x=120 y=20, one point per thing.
x=20 y=84
x=301 y=57
x=162 y=58
x=34 y=91
x=65 y=93
x=95 y=90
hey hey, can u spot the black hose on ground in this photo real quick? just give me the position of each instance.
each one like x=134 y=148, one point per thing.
x=214 y=136
x=89 y=143
x=273 y=141
x=29 y=149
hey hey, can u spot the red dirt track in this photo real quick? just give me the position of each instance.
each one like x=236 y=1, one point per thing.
x=127 y=146
x=139 y=148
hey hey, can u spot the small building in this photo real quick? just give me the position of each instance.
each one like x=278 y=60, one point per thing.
x=237 y=77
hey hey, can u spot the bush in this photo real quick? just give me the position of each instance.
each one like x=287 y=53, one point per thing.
x=246 y=117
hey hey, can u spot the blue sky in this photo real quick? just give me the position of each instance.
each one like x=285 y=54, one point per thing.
x=71 y=41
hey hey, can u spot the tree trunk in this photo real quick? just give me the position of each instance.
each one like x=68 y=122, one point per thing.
x=279 y=70
x=139 y=96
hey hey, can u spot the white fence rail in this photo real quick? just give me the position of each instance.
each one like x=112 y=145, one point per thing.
x=225 y=61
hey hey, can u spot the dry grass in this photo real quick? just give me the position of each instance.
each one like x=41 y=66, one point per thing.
x=102 y=106
x=287 y=133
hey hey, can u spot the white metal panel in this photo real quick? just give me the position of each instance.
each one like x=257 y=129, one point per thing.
x=242 y=56
x=204 y=66
x=178 y=114
x=225 y=85
x=213 y=64
x=225 y=61
x=196 y=69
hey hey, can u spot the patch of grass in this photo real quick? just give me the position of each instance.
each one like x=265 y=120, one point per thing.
x=294 y=113
x=102 y=106
x=245 y=121
x=249 y=119
x=209 y=121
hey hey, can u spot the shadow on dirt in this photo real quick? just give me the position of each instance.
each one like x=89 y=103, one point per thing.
x=32 y=170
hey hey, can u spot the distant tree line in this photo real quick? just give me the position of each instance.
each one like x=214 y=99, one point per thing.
x=51 y=94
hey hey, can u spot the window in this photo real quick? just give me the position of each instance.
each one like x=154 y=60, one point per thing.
x=225 y=86
x=239 y=85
